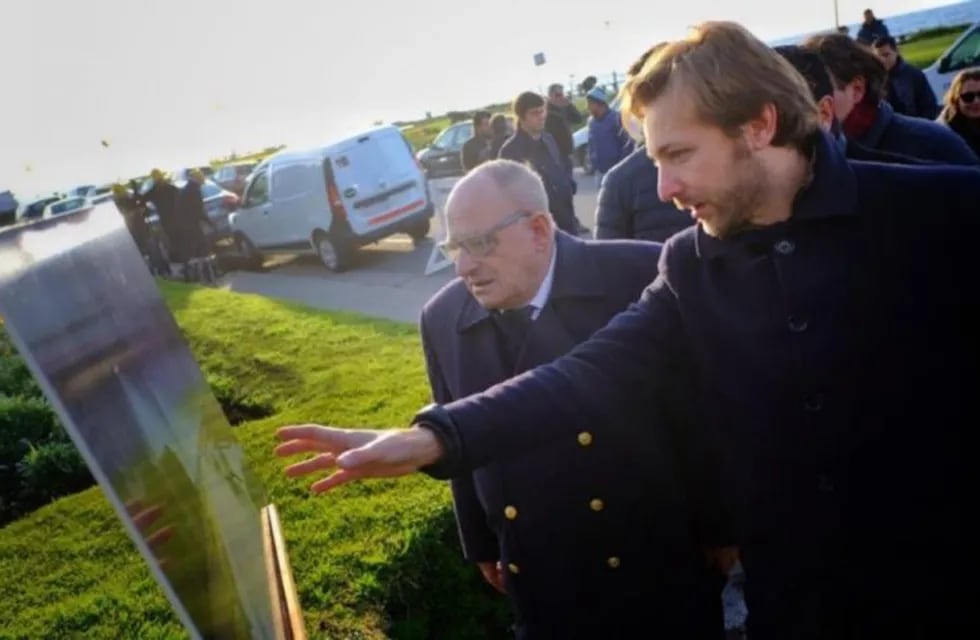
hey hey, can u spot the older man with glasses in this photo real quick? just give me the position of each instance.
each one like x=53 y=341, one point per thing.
x=599 y=536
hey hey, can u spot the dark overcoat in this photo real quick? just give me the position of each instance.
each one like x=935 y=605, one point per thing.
x=839 y=362
x=595 y=534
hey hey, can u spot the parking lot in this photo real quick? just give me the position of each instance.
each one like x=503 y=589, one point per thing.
x=385 y=280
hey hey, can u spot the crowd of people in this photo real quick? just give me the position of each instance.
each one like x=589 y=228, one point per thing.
x=784 y=385
x=179 y=246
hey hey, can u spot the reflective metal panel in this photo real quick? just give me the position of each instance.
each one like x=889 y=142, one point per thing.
x=89 y=320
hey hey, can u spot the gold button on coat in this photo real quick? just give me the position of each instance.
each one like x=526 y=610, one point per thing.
x=513 y=568
x=596 y=504
x=613 y=562
x=510 y=512
x=585 y=438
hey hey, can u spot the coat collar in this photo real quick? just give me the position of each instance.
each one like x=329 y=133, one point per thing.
x=576 y=276
x=872 y=138
x=832 y=192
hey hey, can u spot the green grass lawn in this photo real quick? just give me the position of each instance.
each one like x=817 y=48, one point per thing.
x=374 y=560
x=921 y=53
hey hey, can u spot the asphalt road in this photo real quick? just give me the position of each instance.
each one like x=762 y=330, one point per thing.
x=385 y=280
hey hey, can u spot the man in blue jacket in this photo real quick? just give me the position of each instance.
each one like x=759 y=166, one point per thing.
x=871 y=29
x=907 y=89
x=531 y=144
x=859 y=89
x=608 y=141
x=831 y=310
x=592 y=539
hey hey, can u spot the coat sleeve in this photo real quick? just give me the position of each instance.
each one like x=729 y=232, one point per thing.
x=587 y=390
x=612 y=218
x=478 y=541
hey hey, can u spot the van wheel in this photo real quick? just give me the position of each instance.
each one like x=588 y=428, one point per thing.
x=331 y=254
x=251 y=257
x=420 y=231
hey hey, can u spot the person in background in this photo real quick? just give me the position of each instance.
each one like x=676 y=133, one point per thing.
x=561 y=115
x=628 y=205
x=134 y=216
x=193 y=218
x=592 y=516
x=532 y=144
x=811 y=67
x=871 y=29
x=859 y=84
x=476 y=150
x=907 y=90
x=501 y=129
x=162 y=194
x=961 y=107
x=608 y=140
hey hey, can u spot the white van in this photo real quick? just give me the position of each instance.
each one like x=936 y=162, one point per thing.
x=964 y=53
x=331 y=200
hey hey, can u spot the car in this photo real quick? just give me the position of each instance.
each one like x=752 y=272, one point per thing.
x=233 y=176
x=97 y=195
x=219 y=204
x=332 y=199
x=34 y=209
x=444 y=156
x=65 y=206
x=962 y=54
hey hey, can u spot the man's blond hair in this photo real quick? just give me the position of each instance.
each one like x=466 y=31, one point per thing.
x=730 y=75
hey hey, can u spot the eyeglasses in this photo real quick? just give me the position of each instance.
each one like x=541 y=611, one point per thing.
x=969 y=96
x=480 y=246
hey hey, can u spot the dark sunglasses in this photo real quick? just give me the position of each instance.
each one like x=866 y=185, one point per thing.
x=969 y=96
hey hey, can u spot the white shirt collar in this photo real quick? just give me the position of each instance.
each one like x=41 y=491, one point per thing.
x=544 y=291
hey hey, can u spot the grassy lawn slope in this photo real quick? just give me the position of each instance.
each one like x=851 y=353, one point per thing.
x=375 y=560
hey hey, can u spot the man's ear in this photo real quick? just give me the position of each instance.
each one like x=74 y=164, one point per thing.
x=760 y=131
x=825 y=111
x=543 y=228
x=859 y=88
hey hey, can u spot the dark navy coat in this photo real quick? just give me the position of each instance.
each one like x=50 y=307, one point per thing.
x=555 y=170
x=909 y=92
x=839 y=361
x=594 y=533
x=894 y=133
x=630 y=207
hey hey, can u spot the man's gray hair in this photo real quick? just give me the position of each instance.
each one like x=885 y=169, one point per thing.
x=517 y=181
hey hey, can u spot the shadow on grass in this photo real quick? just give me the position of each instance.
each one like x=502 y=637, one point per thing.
x=434 y=593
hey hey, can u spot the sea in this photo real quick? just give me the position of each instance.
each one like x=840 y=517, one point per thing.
x=906 y=23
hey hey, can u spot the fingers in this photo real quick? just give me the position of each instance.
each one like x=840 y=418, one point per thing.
x=336 y=479
x=313 y=432
x=293 y=447
x=318 y=463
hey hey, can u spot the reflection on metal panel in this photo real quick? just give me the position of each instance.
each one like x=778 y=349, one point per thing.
x=88 y=318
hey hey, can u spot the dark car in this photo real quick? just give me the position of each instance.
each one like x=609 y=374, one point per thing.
x=443 y=158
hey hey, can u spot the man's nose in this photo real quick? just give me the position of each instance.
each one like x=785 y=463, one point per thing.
x=668 y=187
x=465 y=265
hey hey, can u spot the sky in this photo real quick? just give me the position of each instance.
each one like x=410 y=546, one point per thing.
x=177 y=83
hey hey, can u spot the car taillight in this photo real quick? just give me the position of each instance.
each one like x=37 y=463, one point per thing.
x=336 y=204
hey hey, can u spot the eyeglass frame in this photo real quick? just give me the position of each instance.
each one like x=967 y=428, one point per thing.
x=974 y=95
x=452 y=248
